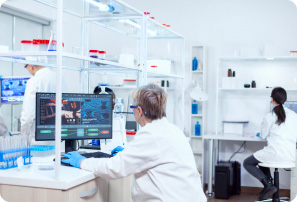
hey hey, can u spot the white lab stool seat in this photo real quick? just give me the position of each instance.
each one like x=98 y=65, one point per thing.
x=276 y=166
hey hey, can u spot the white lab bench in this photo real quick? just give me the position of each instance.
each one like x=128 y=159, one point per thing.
x=74 y=185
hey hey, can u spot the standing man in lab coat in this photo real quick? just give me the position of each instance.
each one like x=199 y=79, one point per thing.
x=3 y=127
x=160 y=157
x=279 y=127
x=43 y=80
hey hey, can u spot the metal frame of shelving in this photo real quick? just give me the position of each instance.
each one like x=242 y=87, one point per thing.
x=105 y=66
x=201 y=73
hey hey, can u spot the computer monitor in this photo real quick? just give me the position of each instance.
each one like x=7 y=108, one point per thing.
x=13 y=89
x=84 y=116
x=289 y=104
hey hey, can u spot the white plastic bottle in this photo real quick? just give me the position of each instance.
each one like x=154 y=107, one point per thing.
x=118 y=107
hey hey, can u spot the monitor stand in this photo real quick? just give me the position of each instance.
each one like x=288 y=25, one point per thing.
x=70 y=145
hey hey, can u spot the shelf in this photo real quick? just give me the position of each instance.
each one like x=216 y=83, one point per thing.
x=81 y=8
x=197 y=72
x=252 y=89
x=262 y=58
x=154 y=74
x=234 y=137
x=196 y=137
x=197 y=115
x=122 y=87
x=123 y=19
x=197 y=153
x=96 y=64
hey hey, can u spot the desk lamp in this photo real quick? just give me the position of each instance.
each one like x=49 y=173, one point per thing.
x=196 y=93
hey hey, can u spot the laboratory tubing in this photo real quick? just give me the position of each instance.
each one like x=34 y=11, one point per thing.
x=194 y=107
x=229 y=73
x=101 y=55
x=194 y=64
x=197 y=129
x=26 y=45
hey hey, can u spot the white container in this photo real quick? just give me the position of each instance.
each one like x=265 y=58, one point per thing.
x=127 y=60
x=94 y=54
x=35 y=46
x=161 y=66
x=26 y=45
x=101 y=55
x=293 y=53
x=234 y=127
x=4 y=48
x=130 y=82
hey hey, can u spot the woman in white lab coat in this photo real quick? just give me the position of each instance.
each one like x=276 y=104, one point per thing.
x=279 y=127
x=160 y=157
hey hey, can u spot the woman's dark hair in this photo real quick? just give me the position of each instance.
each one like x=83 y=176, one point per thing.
x=279 y=95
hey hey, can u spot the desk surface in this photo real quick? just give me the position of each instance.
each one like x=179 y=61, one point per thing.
x=33 y=177
x=233 y=137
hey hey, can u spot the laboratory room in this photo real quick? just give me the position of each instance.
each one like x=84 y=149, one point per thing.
x=148 y=101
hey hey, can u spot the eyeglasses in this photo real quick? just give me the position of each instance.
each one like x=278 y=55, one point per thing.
x=26 y=65
x=134 y=106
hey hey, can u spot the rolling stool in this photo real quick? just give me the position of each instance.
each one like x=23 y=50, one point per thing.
x=276 y=166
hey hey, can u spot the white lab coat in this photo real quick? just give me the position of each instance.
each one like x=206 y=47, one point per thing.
x=281 y=139
x=3 y=127
x=162 y=161
x=44 y=80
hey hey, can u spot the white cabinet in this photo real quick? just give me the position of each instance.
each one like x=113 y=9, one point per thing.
x=198 y=76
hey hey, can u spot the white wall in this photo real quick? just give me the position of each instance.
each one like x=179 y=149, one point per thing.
x=223 y=26
x=226 y=26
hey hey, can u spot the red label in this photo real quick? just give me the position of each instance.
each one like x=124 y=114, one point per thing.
x=105 y=132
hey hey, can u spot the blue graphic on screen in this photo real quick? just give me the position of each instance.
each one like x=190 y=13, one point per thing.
x=13 y=89
x=95 y=111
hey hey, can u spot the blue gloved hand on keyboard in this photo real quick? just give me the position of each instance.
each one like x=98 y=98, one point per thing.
x=116 y=150
x=74 y=159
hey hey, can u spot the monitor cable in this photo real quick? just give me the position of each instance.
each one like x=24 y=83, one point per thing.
x=238 y=151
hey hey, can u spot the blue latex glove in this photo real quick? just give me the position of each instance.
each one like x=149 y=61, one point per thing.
x=74 y=159
x=116 y=150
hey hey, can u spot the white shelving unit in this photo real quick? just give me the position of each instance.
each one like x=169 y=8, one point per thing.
x=199 y=76
x=125 y=20
x=267 y=72
x=252 y=104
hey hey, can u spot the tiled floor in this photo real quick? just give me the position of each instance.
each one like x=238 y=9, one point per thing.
x=246 y=197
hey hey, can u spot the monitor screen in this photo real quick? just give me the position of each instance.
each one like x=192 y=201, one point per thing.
x=292 y=105
x=13 y=89
x=84 y=116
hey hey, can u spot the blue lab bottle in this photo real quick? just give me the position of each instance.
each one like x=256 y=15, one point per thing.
x=194 y=107
x=197 y=129
x=194 y=64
